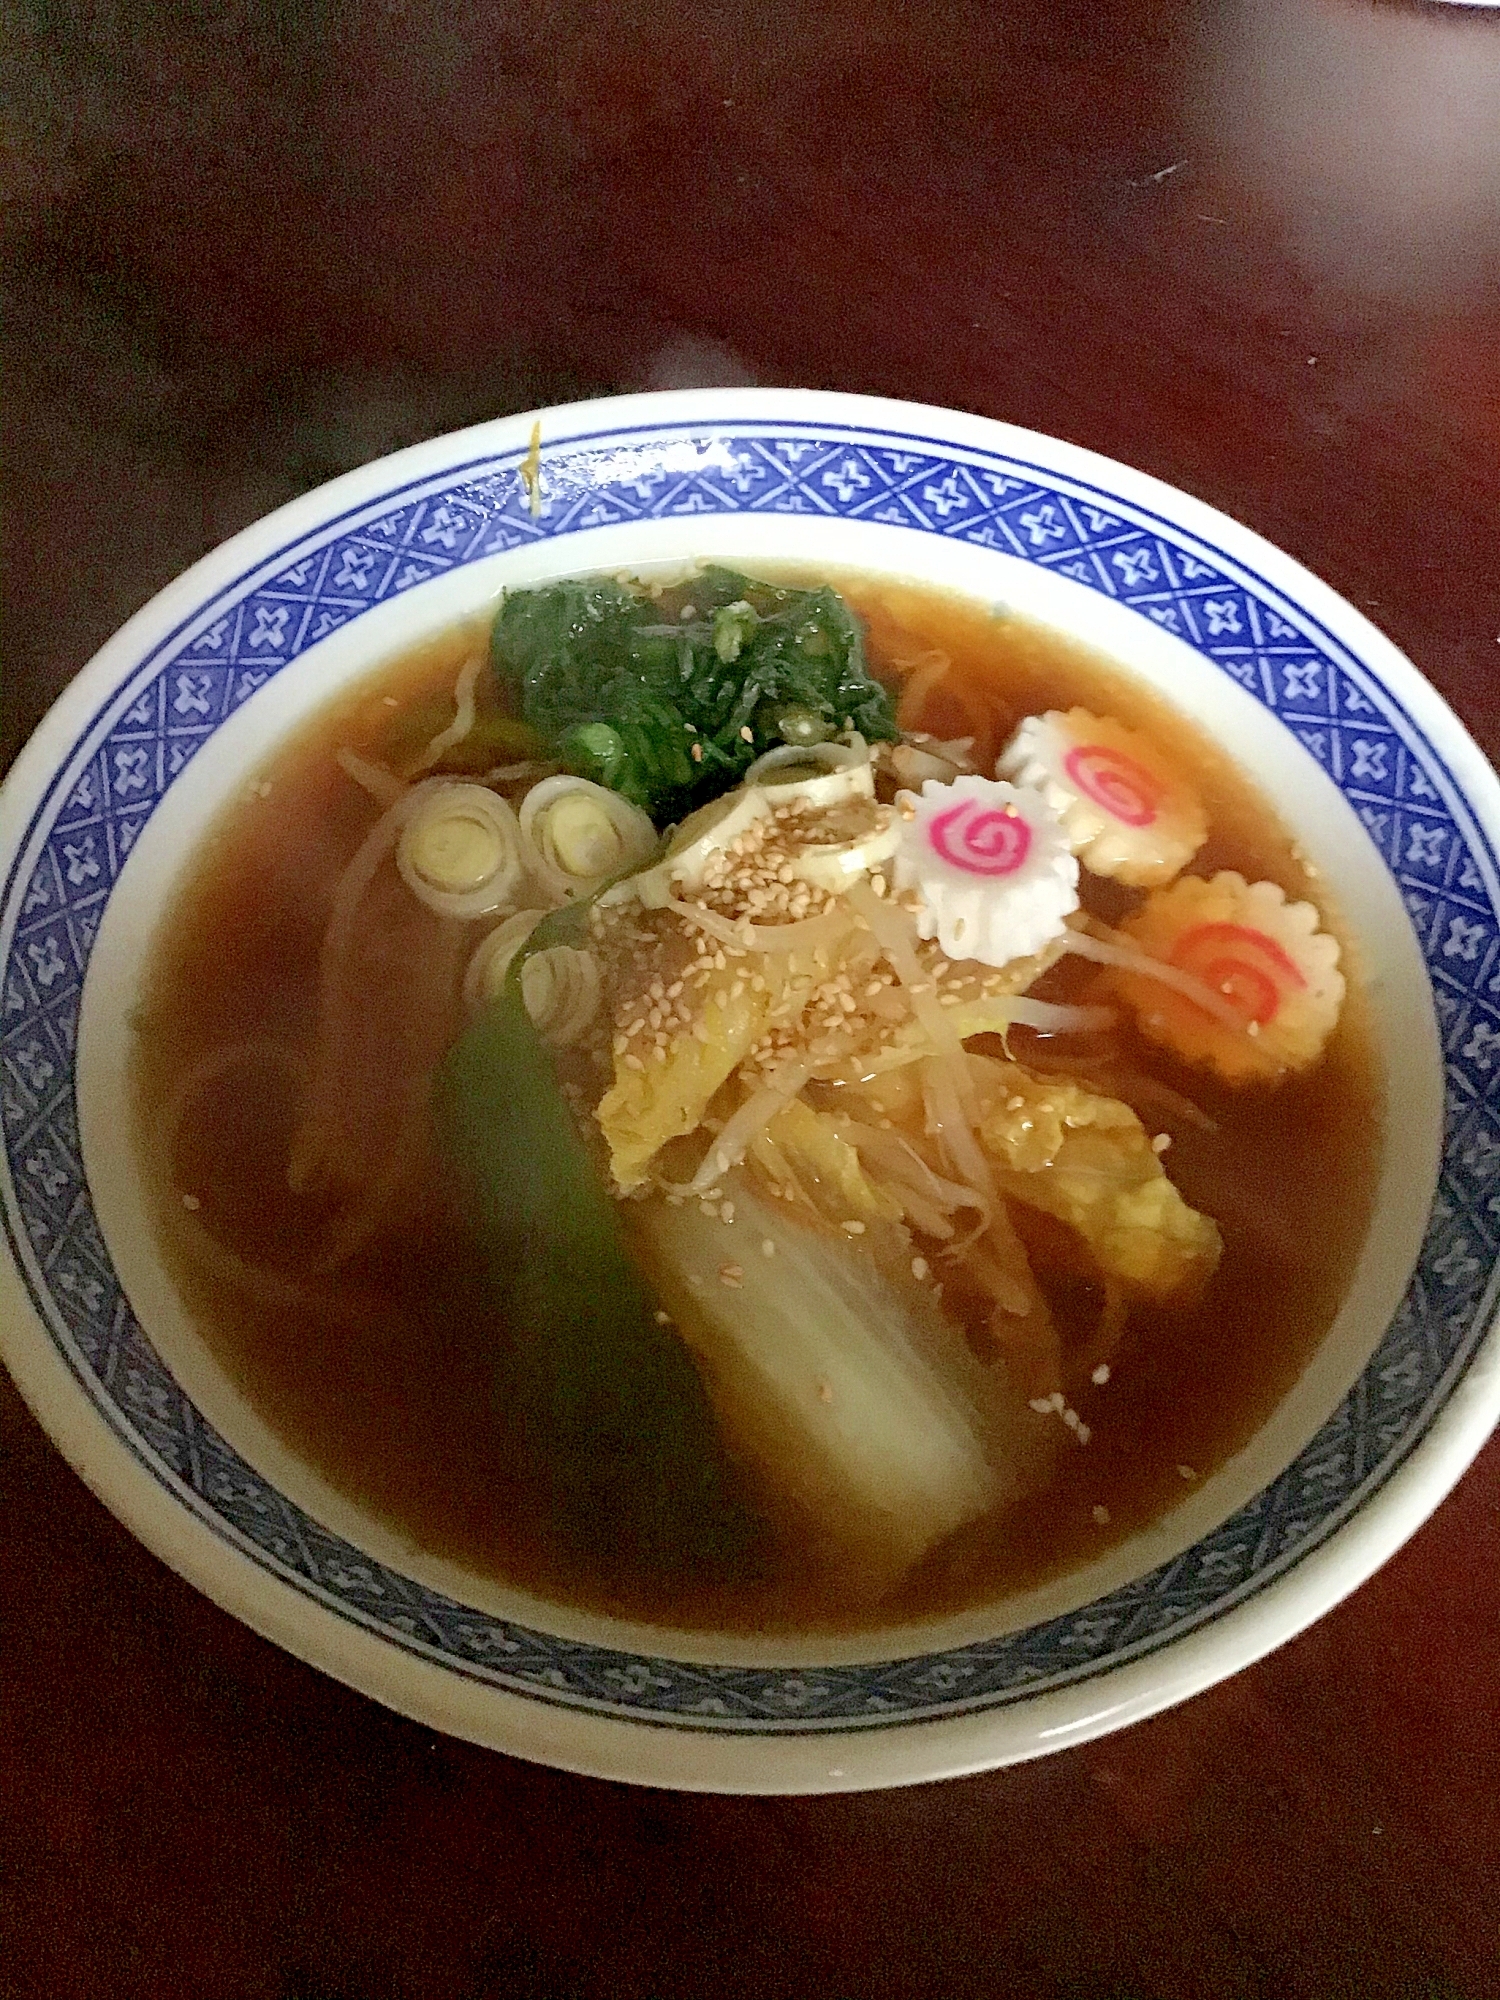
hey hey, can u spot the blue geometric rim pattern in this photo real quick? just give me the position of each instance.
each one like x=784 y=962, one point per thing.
x=139 y=742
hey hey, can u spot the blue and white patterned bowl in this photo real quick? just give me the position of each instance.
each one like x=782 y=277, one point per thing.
x=1380 y=782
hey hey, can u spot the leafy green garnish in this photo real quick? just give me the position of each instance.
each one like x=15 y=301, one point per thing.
x=669 y=710
x=611 y=1417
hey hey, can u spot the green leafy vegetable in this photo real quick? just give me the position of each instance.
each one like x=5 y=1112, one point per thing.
x=613 y=1419
x=669 y=701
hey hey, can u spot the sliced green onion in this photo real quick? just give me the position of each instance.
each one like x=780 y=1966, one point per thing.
x=578 y=835
x=460 y=850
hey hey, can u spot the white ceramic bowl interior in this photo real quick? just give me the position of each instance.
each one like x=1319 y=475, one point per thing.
x=1383 y=789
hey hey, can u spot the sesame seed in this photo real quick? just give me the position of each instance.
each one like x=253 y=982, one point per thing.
x=634 y=1062
x=726 y=1210
x=767 y=1247
x=919 y=1268
x=1100 y=1375
x=696 y=753
x=663 y=1319
x=747 y=735
x=191 y=1201
x=1101 y=1517
x=1186 y=1472
x=853 y=1228
x=731 y=1275
x=1161 y=1142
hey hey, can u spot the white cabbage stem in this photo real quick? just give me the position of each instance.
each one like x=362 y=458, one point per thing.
x=855 y=1404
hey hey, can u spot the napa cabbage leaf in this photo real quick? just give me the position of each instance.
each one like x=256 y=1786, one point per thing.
x=609 y=1412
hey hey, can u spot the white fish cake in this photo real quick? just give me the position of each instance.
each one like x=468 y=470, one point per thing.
x=990 y=866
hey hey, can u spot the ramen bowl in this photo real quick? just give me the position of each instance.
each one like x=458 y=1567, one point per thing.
x=1381 y=786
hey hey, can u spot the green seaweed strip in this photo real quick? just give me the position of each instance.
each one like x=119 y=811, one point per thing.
x=613 y=1417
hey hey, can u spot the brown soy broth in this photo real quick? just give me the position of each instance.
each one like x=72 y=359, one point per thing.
x=389 y=1394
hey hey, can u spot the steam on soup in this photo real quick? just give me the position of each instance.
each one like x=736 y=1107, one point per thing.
x=756 y=1106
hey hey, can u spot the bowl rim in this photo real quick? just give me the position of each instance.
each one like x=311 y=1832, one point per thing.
x=910 y=1748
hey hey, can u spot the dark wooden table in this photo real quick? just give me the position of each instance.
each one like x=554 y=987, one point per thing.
x=1252 y=248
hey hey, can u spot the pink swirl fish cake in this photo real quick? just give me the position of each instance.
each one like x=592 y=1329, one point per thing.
x=990 y=867
x=1128 y=811
x=1265 y=957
